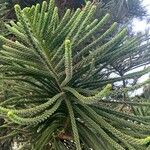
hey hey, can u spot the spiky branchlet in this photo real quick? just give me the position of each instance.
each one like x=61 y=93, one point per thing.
x=91 y=99
x=68 y=62
x=56 y=63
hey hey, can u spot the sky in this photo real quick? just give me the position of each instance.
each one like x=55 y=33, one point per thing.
x=139 y=26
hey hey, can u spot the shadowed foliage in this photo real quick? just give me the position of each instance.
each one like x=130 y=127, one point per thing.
x=57 y=88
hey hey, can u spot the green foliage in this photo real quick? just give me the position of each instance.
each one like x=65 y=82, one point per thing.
x=143 y=110
x=3 y=5
x=52 y=70
x=3 y=11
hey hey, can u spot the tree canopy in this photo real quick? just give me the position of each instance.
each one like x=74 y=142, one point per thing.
x=56 y=88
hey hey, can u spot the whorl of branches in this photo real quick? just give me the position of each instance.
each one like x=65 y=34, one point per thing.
x=48 y=68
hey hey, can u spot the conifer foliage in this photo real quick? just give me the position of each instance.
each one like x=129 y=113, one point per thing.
x=52 y=71
x=3 y=10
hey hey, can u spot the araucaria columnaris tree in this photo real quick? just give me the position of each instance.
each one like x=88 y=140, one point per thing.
x=52 y=70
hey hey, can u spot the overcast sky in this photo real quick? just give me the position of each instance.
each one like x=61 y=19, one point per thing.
x=142 y=25
x=139 y=26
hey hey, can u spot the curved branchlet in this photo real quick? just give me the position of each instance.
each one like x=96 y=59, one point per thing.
x=34 y=120
x=92 y=99
x=34 y=110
